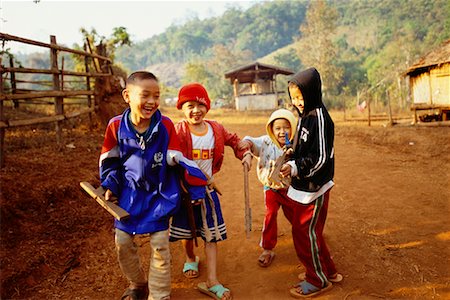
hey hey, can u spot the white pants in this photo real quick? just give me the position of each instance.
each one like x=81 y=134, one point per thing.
x=159 y=273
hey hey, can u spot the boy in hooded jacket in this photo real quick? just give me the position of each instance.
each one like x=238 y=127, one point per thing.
x=137 y=162
x=268 y=148
x=311 y=169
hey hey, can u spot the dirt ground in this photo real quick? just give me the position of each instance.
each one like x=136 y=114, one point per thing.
x=388 y=226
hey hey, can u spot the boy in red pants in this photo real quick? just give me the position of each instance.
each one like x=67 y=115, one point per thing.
x=311 y=169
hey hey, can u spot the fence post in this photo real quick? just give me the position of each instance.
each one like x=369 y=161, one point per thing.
x=368 y=110
x=13 y=81
x=59 y=108
x=88 y=83
x=2 y=130
x=388 y=95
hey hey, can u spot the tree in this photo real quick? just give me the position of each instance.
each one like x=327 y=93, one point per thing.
x=210 y=71
x=316 y=48
x=119 y=37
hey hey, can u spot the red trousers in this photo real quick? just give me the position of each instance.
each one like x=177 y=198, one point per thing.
x=273 y=200
x=307 y=232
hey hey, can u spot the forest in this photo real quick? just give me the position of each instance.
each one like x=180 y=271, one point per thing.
x=358 y=46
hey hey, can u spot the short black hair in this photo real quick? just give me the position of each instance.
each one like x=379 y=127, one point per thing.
x=140 y=75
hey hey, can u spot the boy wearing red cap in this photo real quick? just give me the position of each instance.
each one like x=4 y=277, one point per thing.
x=203 y=141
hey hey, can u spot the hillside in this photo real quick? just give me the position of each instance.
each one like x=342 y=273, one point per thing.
x=373 y=40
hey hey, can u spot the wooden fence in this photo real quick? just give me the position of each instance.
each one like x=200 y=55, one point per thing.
x=58 y=93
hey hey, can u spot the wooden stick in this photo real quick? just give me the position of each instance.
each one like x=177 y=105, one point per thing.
x=116 y=211
x=248 y=210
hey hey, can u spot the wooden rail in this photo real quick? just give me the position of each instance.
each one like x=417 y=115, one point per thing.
x=58 y=93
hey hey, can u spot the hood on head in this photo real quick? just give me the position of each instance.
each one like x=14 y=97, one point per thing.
x=309 y=83
x=281 y=114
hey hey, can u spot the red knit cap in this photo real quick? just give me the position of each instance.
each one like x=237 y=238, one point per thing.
x=193 y=92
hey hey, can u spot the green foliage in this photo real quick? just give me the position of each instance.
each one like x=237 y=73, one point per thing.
x=288 y=60
x=262 y=29
x=316 y=47
x=357 y=45
x=210 y=71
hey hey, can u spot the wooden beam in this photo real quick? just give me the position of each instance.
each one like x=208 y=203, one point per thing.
x=98 y=194
x=2 y=118
x=79 y=113
x=59 y=105
x=45 y=94
x=42 y=120
x=8 y=37
x=45 y=71
x=13 y=81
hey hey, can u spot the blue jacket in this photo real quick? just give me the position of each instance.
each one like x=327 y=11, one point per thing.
x=141 y=173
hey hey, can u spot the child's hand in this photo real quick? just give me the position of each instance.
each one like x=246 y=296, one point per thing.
x=247 y=160
x=285 y=170
x=109 y=195
x=244 y=145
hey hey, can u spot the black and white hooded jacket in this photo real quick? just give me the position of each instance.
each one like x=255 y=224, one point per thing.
x=313 y=159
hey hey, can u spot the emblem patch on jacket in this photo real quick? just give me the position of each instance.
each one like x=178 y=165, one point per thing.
x=158 y=157
x=304 y=134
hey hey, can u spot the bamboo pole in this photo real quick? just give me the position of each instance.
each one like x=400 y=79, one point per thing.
x=90 y=50
x=8 y=37
x=45 y=94
x=43 y=120
x=45 y=71
x=391 y=122
x=2 y=130
x=13 y=82
x=62 y=74
x=88 y=85
x=59 y=108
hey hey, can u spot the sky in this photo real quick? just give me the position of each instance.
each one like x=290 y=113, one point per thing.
x=38 y=19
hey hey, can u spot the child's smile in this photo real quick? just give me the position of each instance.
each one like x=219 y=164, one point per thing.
x=143 y=98
x=281 y=128
x=194 y=112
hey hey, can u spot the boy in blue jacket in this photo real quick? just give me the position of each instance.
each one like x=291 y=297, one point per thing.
x=137 y=163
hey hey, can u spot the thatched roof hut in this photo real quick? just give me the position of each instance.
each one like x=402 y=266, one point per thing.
x=429 y=81
x=254 y=86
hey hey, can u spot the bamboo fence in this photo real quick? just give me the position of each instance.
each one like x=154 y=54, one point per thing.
x=58 y=92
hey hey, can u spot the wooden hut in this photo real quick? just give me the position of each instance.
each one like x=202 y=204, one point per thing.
x=254 y=86
x=429 y=82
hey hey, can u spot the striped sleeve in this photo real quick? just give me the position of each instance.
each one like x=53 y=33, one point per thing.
x=321 y=150
x=311 y=163
x=109 y=163
x=173 y=149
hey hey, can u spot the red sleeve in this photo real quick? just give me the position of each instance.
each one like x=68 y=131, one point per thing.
x=174 y=143
x=111 y=139
x=232 y=140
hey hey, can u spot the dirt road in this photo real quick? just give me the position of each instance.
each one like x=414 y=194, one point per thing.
x=387 y=229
